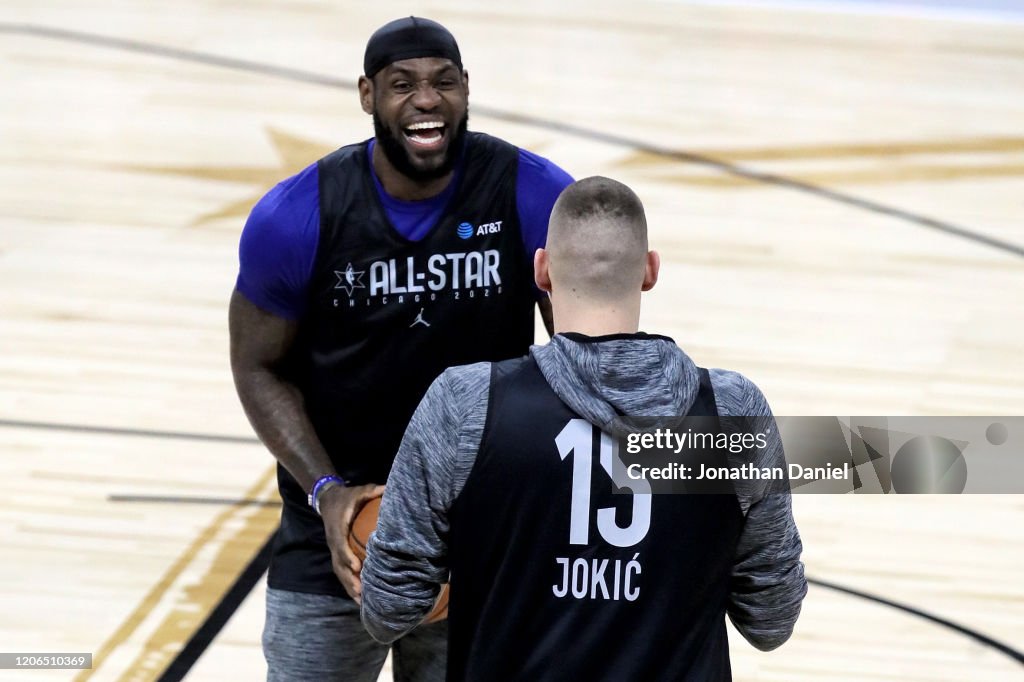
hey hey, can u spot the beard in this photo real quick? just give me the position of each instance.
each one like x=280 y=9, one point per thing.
x=398 y=156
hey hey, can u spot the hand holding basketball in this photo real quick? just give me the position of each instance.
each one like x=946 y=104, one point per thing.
x=338 y=507
x=364 y=524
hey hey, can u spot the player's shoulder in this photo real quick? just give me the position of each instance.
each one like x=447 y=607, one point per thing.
x=461 y=390
x=289 y=204
x=340 y=160
x=535 y=169
x=476 y=140
x=463 y=380
x=737 y=395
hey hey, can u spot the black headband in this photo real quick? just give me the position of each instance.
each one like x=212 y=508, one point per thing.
x=409 y=38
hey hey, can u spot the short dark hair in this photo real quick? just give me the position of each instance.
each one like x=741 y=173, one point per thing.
x=597 y=238
x=601 y=197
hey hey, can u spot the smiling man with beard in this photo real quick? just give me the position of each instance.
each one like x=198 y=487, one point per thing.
x=361 y=279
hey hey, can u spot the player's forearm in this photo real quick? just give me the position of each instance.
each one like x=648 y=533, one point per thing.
x=404 y=566
x=402 y=572
x=277 y=414
x=406 y=557
x=768 y=583
x=395 y=597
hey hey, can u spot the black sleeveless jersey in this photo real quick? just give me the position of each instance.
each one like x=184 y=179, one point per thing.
x=385 y=316
x=555 y=577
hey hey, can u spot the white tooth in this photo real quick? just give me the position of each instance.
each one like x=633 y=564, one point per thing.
x=426 y=125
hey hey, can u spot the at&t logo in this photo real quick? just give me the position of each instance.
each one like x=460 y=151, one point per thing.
x=466 y=230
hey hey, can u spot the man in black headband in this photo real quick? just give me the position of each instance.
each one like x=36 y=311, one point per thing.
x=361 y=279
x=422 y=147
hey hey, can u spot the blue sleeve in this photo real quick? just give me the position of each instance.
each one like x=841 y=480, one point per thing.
x=538 y=185
x=278 y=246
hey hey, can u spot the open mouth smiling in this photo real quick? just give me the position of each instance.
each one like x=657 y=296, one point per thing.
x=426 y=134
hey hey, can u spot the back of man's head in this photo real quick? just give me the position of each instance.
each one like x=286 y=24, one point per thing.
x=597 y=241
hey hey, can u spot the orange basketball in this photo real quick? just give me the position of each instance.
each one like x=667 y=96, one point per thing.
x=364 y=524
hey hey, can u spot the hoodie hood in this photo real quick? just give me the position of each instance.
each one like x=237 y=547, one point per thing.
x=605 y=378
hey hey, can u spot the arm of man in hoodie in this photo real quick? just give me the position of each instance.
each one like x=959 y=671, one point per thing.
x=407 y=555
x=768 y=583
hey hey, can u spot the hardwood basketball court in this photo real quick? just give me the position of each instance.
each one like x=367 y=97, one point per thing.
x=836 y=190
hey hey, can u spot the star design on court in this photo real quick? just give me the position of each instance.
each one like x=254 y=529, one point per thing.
x=294 y=152
x=350 y=279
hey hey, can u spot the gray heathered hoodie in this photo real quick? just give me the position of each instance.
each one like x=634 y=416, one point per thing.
x=631 y=375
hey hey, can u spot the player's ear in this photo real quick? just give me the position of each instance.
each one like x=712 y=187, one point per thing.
x=366 y=94
x=541 y=275
x=651 y=271
x=465 y=81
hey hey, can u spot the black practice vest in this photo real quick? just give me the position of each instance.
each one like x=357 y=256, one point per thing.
x=385 y=316
x=548 y=585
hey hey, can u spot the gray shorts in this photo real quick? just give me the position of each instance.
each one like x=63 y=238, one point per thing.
x=320 y=638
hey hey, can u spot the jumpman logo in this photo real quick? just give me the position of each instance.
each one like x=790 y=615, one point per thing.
x=419 y=320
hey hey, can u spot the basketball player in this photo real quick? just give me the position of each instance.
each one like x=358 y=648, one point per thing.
x=361 y=279
x=554 y=577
